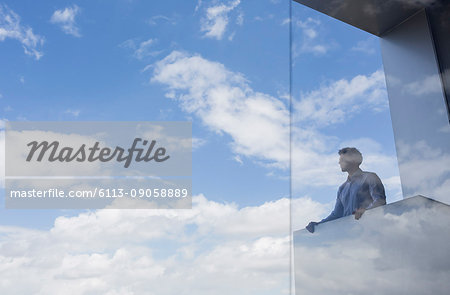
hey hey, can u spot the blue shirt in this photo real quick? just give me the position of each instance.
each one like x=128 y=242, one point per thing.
x=361 y=190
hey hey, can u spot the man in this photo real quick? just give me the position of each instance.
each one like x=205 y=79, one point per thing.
x=362 y=190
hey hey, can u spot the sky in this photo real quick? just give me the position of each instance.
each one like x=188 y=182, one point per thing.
x=224 y=66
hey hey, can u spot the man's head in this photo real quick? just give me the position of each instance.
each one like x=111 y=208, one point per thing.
x=349 y=159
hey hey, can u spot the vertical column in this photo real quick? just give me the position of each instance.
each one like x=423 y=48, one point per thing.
x=418 y=109
x=439 y=19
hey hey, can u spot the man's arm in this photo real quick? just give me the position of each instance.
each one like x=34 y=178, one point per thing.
x=337 y=212
x=376 y=190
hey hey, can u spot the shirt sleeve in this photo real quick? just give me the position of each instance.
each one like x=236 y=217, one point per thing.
x=337 y=212
x=376 y=190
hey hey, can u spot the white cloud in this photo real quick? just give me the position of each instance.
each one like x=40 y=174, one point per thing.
x=199 y=4
x=263 y=18
x=141 y=49
x=2 y=154
x=429 y=85
x=336 y=102
x=231 y=36
x=154 y=20
x=257 y=123
x=425 y=170
x=238 y=159
x=10 y=27
x=380 y=254
x=309 y=42
x=215 y=22
x=285 y=21
x=314 y=155
x=72 y=112
x=214 y=246
x=367 y=46
x=66 y=19
x=197 y=143
x=240 y=18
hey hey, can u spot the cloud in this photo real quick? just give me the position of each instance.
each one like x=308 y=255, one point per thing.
x=336 y=102
x=380 y=253
x=224 y=101
x=2 y=154
x=213 y=246
x=285 y=21
x=10 y=27
x=367 y=46
x=74 y=113
x=141 y=49
x=199 y=4
x=197 y=142
x=314 y=154
x=425 y=170
x=258 y=124
x=309 y=42
x=429 y=85
x=269 y=16
x=65 y=18
x=154 y=20
x=240 y=19
x=215 y=22
x=238 y=159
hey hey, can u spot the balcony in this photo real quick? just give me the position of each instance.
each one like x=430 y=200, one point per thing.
x=399 y=248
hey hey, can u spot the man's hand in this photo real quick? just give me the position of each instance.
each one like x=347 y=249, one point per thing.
x=359 y=213
x=311 y=225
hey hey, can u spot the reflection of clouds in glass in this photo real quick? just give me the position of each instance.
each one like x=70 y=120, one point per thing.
x=424 y=169
x=417 y=107
x=424 y=86
x=2 y=158
x=400 y=248
x=310 y=43
x=340 y=100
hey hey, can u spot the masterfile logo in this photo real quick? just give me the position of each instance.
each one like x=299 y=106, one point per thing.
x=98 y=164
x=98 y=149
x=95 y=153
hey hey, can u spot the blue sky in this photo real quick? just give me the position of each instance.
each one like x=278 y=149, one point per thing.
x=98 y=73
x=224 y=65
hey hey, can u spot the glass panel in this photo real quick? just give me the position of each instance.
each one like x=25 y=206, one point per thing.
x=418 y=110
x=400 y=248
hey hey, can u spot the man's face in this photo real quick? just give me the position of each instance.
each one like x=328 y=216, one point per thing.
x=344 y=163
